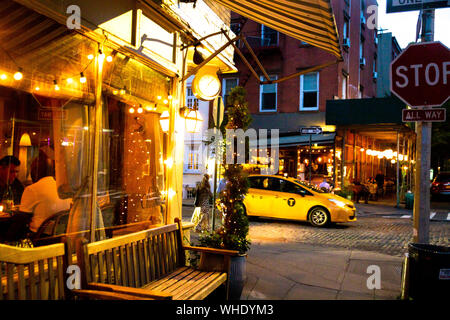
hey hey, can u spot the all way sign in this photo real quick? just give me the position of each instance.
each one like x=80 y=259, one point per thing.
x=426 y=115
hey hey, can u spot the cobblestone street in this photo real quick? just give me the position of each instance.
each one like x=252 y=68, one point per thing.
x=372 y=233
x=382 y=235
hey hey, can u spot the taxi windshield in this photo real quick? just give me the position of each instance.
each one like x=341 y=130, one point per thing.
x=310 y=186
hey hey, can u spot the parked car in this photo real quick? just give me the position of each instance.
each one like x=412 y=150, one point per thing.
x=440 y=187
x=288 y=198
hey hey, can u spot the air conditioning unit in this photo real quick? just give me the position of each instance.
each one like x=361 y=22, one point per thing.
x=346 y=42
x=375 y=75
x=362 y=61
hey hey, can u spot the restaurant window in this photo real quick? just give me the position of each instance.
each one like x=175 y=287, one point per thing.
x=131 y=169
x=309 y=92
x=268 y=95
x=48 y=142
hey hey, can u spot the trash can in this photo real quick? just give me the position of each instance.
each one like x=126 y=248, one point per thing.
x=409 y=200
x=428 y=271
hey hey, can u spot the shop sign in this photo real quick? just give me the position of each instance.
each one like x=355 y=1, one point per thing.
x=427 y=115
x=48 y=114
x=311 y=130
x=410 y=5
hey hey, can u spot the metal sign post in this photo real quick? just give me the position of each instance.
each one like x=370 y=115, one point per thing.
x=421 y=213
x=218 y=118
x=310 y=131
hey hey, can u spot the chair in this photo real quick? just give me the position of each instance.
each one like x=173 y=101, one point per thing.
x=52 y=226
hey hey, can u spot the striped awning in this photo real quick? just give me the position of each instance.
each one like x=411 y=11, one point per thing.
x=311 y=21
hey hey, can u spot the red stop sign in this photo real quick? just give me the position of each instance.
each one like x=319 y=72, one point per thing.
x=420 y=75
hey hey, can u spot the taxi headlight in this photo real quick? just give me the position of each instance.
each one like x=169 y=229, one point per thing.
x=338 y=203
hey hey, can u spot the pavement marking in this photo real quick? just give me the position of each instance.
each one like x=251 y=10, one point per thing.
x=406 y=216
x=432 y=215
x=448 y=216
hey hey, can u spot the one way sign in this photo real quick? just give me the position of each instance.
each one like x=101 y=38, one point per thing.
x=426 y=115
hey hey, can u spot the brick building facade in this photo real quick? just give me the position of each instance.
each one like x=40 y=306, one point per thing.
x=301 y=101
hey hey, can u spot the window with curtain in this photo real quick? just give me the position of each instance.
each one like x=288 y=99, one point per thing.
x=51 y=140
x=131 y=170
x=268 y=95
x=309 y=92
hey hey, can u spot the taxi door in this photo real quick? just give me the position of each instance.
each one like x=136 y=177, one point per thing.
x=259 y=198
x=292 y=202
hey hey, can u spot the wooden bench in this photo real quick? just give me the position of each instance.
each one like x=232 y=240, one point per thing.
x=150 y=264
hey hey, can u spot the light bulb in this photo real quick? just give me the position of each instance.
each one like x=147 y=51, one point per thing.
x=131 y=110
x=82 y=78
x=140 y=110
x=3 y=76
x=18 y=75
x=90 y=57
x=109 y=58
x=69 y=80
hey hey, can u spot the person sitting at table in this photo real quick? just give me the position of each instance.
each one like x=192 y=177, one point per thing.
x=325 y=185
x=360 y=190
x=41 y=198
x=9 y=168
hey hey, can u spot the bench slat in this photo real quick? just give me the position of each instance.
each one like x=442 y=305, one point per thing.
x=186 y=284
x=172 y=283
x=207 y=288
x=169 y=279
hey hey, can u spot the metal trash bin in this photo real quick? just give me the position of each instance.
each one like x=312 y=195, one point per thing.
x=428 y=275
x=409 y=200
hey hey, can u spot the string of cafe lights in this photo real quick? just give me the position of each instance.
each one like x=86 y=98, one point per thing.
x=18 y=75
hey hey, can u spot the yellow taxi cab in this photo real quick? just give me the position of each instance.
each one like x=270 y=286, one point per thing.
x=289 y=198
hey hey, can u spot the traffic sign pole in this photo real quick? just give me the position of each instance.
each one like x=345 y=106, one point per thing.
x=310 y=158
x=421 y=213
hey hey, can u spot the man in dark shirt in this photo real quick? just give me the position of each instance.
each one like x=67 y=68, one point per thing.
x=9 y=168
x=379 y=178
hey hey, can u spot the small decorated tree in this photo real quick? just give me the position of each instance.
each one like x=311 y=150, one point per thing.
x=233 y=235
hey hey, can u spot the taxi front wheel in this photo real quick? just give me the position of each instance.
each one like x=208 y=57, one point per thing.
x=319 y=217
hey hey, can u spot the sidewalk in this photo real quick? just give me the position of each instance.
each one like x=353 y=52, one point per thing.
x=281 y=270
x=294 y=271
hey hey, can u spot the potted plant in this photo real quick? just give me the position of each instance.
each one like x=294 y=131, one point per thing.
x=233 y=234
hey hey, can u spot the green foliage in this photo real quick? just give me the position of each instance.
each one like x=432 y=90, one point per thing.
x=234 y=232
x=344 y=193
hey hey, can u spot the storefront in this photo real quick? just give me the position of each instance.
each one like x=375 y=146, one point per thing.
x=100 y=110
x=370 y=140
